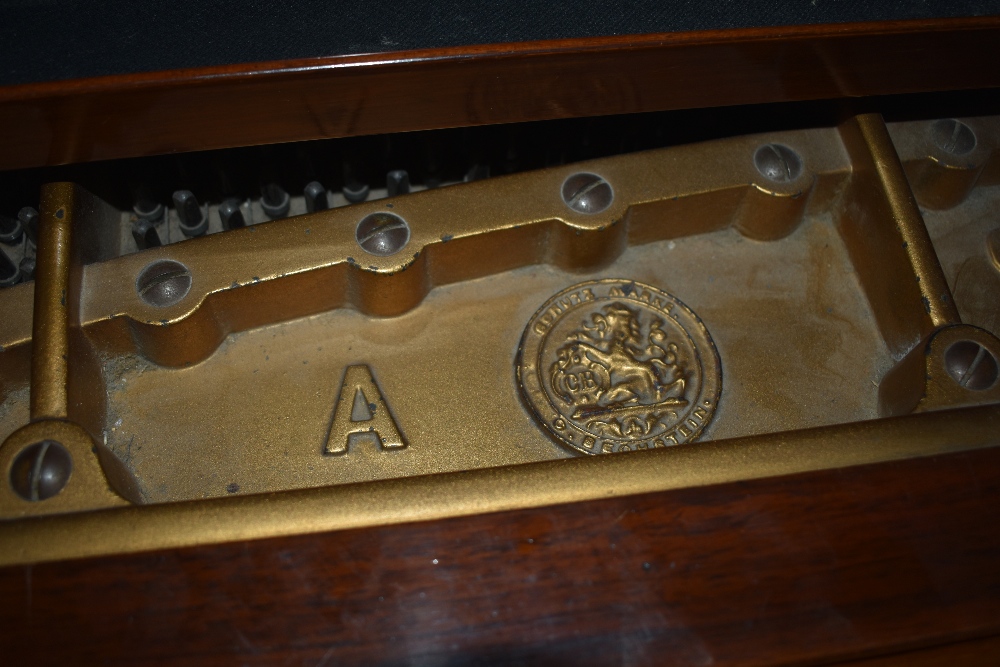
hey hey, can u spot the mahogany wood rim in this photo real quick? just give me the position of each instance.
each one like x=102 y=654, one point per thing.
x=805 y=569
x=157 y=113
x=541 y=48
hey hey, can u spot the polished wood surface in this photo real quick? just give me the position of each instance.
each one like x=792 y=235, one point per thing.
x=830 y=566
x=975 y=652
x=165 y=112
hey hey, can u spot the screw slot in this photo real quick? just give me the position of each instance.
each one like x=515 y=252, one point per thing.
x=971 y=365
x=41 y=470
x=587 y=193
x=953 y=136
x=777 y=163
x=382 y=233
x=163 y=283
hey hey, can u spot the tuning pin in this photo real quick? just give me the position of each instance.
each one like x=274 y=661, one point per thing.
x=193 y=218
x=231 y=214
x=274 y=201
x=29 y=220
x=315 y=195
x=145 y=234
x=147 y=209
x=27 y=267
x=355 y=192
x=397 y=182
x=10 y=274
x=11 y=229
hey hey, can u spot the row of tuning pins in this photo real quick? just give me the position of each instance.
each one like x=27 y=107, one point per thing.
x=20 y=235
x=193 y=220
x=192 y=215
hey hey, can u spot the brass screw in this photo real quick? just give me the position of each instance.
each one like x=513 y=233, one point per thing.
x=382 y=233
x=953 y=136
x=971 y=365
x=777 y=163
x=163 y=283
x=41 y=470
x=587 y=193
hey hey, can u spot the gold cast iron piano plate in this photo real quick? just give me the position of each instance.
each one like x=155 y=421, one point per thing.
x=813 y=288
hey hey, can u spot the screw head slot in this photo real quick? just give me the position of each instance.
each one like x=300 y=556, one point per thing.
x=40 y=471
x=778 y=163
x=382 y=233
x=587 y=193
x=163 y=283
x=971 y=365
x=953 y=136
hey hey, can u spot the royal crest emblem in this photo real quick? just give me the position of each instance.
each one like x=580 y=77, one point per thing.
x=614 y=366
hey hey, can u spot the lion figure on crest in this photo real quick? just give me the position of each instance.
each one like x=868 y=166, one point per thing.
x=608 y=364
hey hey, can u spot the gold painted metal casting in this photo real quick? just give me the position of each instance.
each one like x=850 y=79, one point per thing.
x=618 y=366
x=362 y=410
x=388 y=361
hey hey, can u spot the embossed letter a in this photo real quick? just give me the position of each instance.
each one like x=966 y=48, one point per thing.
x=361 y=408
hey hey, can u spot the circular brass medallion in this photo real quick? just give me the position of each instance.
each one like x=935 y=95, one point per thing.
x=614 y=366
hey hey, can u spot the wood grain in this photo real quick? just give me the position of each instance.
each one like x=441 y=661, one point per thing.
x=806 y=569
x=166 y=112
x=975 y=652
